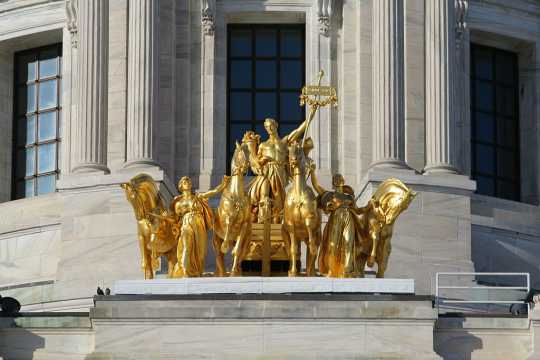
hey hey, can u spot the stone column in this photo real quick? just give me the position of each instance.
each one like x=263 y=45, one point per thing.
x=440 y=83
x=92 y=76
x=388 y=84
x=142 y=83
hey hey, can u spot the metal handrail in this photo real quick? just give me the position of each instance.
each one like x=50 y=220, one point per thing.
x=438 y=300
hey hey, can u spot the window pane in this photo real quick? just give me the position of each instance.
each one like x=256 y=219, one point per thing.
x=46 y=158
x=291 y=74
x=506 y=190
x=485 y=159
x=46 y=184
x=485 y=127
x=484 y=96
x=237 y=132
x=505 y=67
x=241 y=42
x=240 y=74
x=506 y=132
x=291 y=43
x=48 y=63
x=483 y=63
x=29 y=186
x=31 y=98
x=485 y=185
x=30 y=161
x=290 y=109
x=240 y=106
x=265 y=74
x=30 y=129
x=505 y=100
x=266 y=42
x=47 y=126
x=506 y=164
x=265 y=106
x=47 y=94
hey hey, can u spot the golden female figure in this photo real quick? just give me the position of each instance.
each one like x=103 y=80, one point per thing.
x=341 y=234
x=194 y=218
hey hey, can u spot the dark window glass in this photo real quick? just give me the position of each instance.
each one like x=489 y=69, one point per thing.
x=495 y=122
x=265 y=42
x=265 y=76
x=36 y=129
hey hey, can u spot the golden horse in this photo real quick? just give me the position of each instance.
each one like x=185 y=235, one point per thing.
x=156 y=236
x=376 y=222
x=301 y=216
x=233 y=217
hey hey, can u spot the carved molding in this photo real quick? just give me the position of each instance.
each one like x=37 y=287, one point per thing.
x=71 y=20
x=461 y=15
x=208 y=11
x=325 y=9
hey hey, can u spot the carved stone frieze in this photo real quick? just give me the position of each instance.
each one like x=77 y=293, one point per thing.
x=71 y=20
x=324 y=15
x=208 y=9
x=461 y=14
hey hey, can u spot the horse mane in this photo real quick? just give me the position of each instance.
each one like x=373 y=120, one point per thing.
x=146 y=189
x=391 y=188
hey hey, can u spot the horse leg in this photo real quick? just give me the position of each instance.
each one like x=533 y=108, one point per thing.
x=286 y=240
x=238 y=251
x=226 y=240
x=382 y=258
x=293 y=271
x=171 y=261
x=146 y=262
x=312 y=249
x=220 y=263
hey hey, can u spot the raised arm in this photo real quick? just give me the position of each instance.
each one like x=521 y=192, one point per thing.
x=218 y=189
x=315 y=183
x=296 y=133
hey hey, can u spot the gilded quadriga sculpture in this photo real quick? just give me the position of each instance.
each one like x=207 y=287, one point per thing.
x=352 y=238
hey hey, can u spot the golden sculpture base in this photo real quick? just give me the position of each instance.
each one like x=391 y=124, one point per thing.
x=279 y=260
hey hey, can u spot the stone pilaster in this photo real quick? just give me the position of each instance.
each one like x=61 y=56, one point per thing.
x=440 y=81
x=142 y=82
x=91 y=121
x=388 y=84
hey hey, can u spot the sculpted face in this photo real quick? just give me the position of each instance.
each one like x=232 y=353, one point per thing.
x=271 y=126
x=184 y=184
x=338 y=180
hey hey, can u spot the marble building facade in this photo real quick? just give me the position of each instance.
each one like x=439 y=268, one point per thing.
x=144 y=87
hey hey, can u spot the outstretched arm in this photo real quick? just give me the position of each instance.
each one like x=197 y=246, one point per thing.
x=318 y=188
x=218 y=189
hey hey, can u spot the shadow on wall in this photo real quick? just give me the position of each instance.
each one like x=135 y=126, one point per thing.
x=16 y=342
x=505 y=251
x=452 y=344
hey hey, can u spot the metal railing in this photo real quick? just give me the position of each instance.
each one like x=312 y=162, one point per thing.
x=439 y=300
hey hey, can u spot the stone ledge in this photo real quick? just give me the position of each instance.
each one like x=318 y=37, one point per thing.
x=263 y=285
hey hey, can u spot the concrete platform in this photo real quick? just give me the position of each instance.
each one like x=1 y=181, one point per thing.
x=263 y=285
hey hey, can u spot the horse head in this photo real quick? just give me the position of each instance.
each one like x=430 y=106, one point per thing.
x=296 y=158
x=240 y=160
x=391 y=199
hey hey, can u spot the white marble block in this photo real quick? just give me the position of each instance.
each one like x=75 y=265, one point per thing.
x=263 y=285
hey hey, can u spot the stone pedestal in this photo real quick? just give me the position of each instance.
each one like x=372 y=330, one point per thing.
x=296 y=326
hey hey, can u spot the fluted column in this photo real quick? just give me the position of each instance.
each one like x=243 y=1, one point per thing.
x=388 y=84
x=440 y=83
x=142 y=83
x=92 y=77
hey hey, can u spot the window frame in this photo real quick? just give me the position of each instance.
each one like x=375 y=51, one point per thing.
x=493 y=112
x=253 y=89
x=18 y=118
